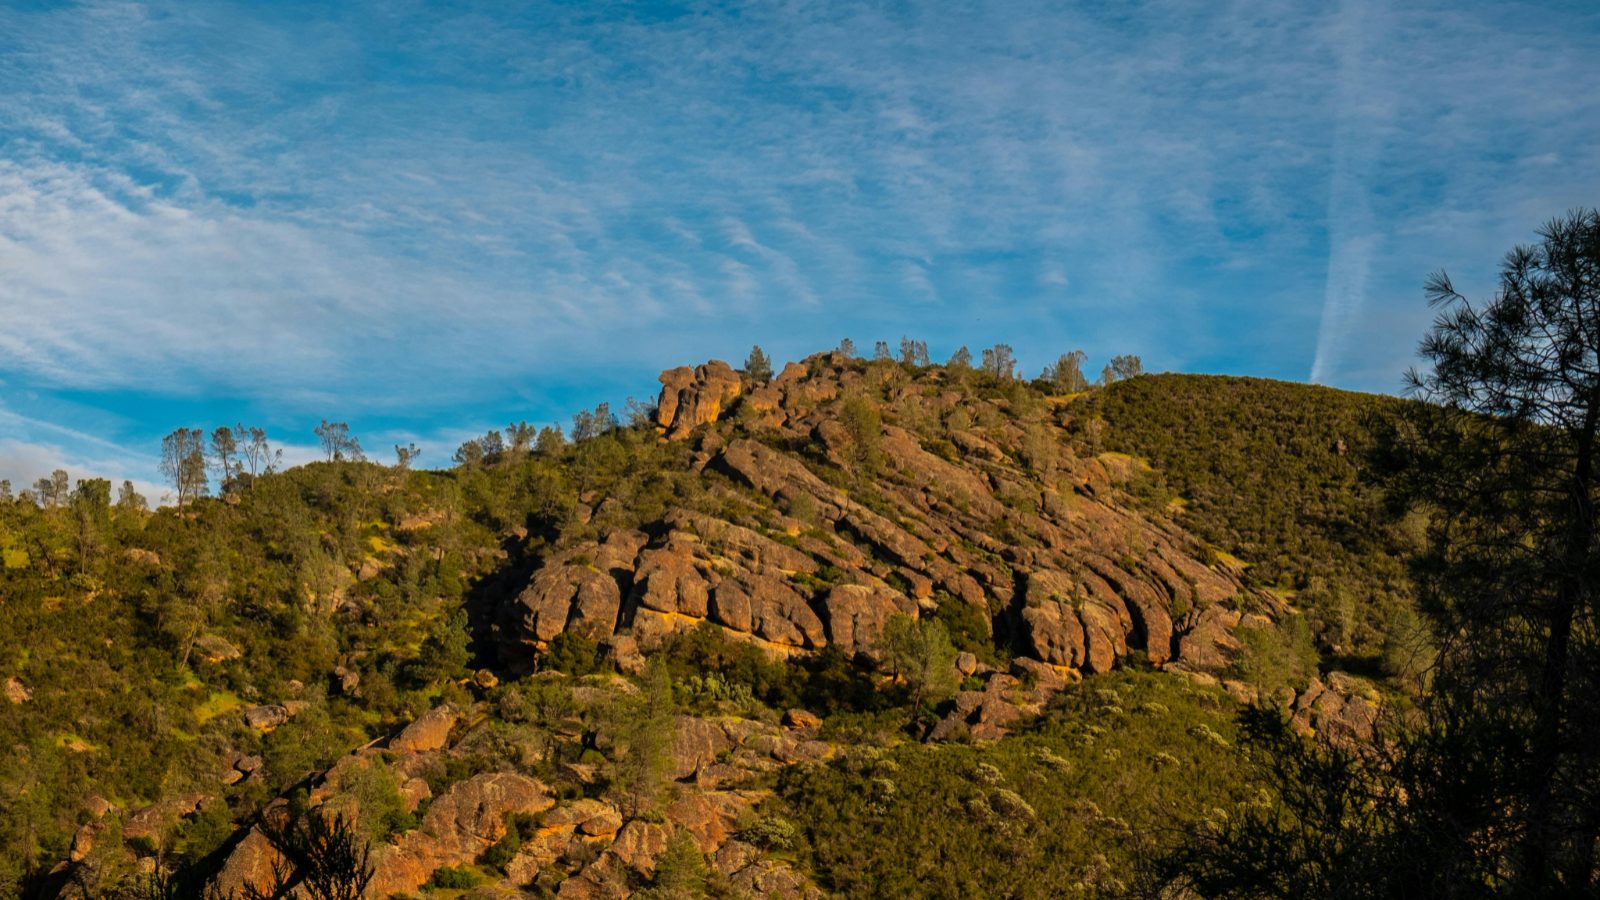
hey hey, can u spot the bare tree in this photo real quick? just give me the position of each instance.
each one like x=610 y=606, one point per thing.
x=998 y=362
x=183 y=462
x=256 y=451
x=338 y=443
x=405 y=456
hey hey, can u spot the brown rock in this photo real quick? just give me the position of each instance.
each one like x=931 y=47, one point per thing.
x=1209 y=643
x=347 y=680
x=266 y=718
x=639 y=844
x=1050 y=623
x=696 y=743
x=249 y=865
x=460 y=825
x=668 y=581
x=83 y=841
x=569 y=596
x=709 y=816
x=145 y=557
x=214 y=649
x=735 y=855
x=693 y=397
x=623 y=650
x=16 y=692
x=150 y=824
x=430 y=731
x=856 y=615
x=766 y=606
x=799 y=718
x=774 y=879
x=754 y=551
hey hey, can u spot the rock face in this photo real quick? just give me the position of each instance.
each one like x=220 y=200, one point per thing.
x=461 y=824
x=429 y=732
x=16 y=692
x=694 y=397
x=580 y=846
x=796 y=548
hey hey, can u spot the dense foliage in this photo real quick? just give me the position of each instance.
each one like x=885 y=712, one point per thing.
x=139 y=637
x=1281 y=476
x=1120 y=765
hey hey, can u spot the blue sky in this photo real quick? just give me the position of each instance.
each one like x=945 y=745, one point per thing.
x=429 y=219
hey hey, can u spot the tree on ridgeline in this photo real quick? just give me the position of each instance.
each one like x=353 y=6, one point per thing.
x=880 y=352
x=550 y=441
x=224 y=446
x=913 y=353
x=1066 y=374
x=256 y=451
x=589 y=424
x=183 y=462
x=338 y=443
x=998 y=362
x=130 y=501
x=520 y=437
x=960 y=361
x=405 y=456
x=757 y=367
x=91 y=515
x=847 y=349
x=52 y=492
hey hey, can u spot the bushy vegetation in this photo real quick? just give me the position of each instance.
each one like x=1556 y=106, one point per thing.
x=147 y=634
x=1112 y=772
x=1282 y=478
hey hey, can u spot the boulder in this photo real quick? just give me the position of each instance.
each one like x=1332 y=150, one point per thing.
x=1050 y=623
x=638 y=845
x=769 y=608
x=856 y=615
x=694 y=397
x=348 y=681
x=569 y=595
x=214 y=649
x=268 y=717
x=463 y=822
x=695 y=743
x=249 y=865
x=799 y=718
x=667 y=580
x=16 y=692
x=430 y=731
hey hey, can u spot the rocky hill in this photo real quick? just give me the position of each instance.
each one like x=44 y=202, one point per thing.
x=817 y=526
x=668 y=659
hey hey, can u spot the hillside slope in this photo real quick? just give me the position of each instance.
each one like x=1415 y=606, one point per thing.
x=694 y=631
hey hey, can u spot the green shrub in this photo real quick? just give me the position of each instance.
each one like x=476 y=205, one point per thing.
x=455 y=878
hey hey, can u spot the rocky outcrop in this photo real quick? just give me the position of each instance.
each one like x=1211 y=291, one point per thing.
x=429 y=732
x=1342 y=709
x=856 y=615
x=694 y=397
x=569 y=594
x=16 y=693
x=459 y=826
x=794 y=549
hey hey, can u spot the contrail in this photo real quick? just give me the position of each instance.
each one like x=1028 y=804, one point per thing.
x=1350 y=237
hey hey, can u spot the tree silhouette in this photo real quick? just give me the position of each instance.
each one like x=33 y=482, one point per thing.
x=1505 y=457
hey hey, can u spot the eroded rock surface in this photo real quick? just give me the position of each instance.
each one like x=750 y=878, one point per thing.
x=1037 y=542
